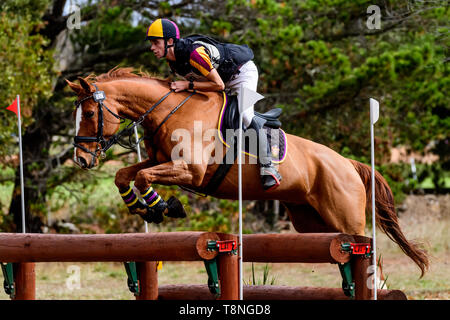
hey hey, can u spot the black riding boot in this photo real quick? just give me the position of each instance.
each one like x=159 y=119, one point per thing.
x=270 y=177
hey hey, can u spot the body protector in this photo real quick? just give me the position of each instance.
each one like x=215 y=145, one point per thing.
x=226 y=58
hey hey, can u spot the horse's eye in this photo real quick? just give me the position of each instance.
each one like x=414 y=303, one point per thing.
x=89 y=114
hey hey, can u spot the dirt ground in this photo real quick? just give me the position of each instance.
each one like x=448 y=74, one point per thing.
x=425 y=219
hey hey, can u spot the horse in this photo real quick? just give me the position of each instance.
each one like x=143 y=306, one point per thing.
x=321 y=190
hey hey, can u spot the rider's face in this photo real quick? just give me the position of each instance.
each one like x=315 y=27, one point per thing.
x=157 y=46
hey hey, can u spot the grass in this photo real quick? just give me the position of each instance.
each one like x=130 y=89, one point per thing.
x=427 y=183
x=265 y=280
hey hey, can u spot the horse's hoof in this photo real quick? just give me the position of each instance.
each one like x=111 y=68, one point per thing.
x=175 y=208
x=153 y=216
x=156 y=214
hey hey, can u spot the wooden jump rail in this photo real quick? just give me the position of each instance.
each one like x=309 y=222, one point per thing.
x=268 y=292
x=24 y=249
x=34 y=247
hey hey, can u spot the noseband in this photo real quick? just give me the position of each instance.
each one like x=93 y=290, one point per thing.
x=102 y=144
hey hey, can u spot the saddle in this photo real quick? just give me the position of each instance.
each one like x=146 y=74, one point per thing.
x=229 y=119
x=231 y=115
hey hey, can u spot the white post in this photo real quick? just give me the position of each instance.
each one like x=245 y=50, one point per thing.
x=22 y=195
x=239 y=148
x=413 y=168
x=138 y=147
x=247 y=98
x=374 y=114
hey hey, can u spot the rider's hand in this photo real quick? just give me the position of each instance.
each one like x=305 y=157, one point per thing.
x=179 y=85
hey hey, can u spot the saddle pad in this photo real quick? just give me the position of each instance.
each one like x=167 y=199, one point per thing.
x=229 y=119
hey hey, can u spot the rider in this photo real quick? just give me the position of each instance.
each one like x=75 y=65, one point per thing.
x=208 y=65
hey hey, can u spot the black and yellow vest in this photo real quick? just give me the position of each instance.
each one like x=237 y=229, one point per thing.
x=225 y=57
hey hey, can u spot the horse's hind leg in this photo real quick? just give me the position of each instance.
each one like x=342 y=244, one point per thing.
x=342 y=210
x=306 y=219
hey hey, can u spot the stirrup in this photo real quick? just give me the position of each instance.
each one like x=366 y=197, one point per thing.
x=270 y=177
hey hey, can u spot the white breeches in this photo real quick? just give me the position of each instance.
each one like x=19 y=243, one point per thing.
x=248 y=77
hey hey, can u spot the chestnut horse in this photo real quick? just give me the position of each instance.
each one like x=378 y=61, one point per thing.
x=321 y=190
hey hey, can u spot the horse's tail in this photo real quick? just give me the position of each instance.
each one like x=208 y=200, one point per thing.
x=385 y=215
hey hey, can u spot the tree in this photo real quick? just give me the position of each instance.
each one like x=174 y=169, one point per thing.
x=318 y=61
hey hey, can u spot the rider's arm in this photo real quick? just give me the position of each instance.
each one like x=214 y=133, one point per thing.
x=215 y=82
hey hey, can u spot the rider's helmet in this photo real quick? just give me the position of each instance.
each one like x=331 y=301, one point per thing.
x=164 y=29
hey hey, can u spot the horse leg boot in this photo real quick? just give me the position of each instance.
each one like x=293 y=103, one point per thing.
x=132 y=201
x=157 y=208
x=152 y=207
x=149 y=212
x=270 y=177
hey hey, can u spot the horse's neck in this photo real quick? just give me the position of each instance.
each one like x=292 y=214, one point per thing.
x=136 y=97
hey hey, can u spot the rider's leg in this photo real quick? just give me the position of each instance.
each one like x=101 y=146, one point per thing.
x=247 y=77
x=270 y=177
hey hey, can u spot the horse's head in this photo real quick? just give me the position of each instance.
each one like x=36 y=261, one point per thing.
x=96 y=121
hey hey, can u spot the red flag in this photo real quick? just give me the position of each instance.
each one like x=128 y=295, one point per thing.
x=13 y=107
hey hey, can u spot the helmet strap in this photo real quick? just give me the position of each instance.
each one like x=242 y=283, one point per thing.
x=167 y=46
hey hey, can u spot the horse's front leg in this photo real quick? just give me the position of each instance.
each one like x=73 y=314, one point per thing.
x=124 y=176
x=169 y=173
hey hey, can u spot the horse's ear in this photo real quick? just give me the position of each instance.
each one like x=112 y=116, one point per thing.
x=86 y=85
x=75 y=87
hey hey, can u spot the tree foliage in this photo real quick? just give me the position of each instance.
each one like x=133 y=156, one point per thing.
x=318 y=60
x=26 y=66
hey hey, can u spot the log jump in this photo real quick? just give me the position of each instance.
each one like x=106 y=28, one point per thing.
x=268 y=292
x=217 y=250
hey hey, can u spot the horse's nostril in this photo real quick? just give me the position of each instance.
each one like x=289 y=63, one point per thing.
x=82 y=161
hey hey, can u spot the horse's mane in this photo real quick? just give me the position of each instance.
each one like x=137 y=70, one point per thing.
x=117 y=73
x=125 y=73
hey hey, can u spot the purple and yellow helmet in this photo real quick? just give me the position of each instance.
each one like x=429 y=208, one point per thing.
x=163 y=29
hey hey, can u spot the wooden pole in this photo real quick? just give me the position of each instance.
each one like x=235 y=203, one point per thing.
x=228 y=265
x=360 y=273
x=25 y=281
x=307 y=247
x=166 y=246
x=201 y=292
x=148 y=280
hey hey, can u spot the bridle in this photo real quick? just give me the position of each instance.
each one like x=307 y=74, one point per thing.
x=104 y=144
